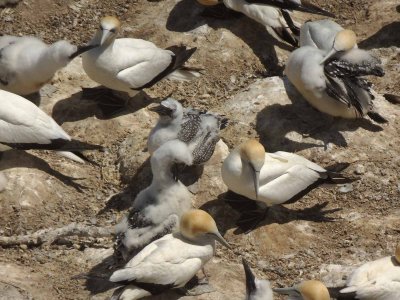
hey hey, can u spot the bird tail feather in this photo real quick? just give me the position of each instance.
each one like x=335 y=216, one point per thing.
x=77 y=146
x=179 y=71
x=333 y=175
x=184 y=74
x=340 y=294
x=377 y=117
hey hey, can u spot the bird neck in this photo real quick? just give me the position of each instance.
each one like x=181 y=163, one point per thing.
x=161 y=166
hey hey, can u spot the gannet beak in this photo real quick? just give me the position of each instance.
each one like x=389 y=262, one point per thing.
x=306 y=6
x=161 y=110
x=256 y=179
x=250 y=278
x=105 y=36
x=290 y=291
x=82 y=49
x=220 y=239
x=328 y=56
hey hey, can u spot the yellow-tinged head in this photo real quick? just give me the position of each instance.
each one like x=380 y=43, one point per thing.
x=397 y=253
x=197 y=223
x=208 y=2
x=253 y=154
x=109 y=28
x=313 y=290
x=344 y=40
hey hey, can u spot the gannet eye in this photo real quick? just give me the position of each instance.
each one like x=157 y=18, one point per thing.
x=113 y=30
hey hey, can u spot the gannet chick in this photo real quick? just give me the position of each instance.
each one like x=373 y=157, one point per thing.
x=156 y=210
x=130 y=65
x=256 y=289
x=24 y=126
x=332 y=82
x=170 y=262
x=27 y=63
x=198 y=129
x=272 y=14
x=307 y=290
x=320 y=34
x=375 y=280
x=272 y=178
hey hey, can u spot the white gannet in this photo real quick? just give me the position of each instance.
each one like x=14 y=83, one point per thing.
x=198 y=129
x=332 y=82
x=375 y=280
x=24 y=126
x=272 y=14
x=272 y=178
x=130 y=65
x=256 y=289
x=320 y=34
x=27 y=63
x=307 y=290
x=156 y=210
x=171 y=261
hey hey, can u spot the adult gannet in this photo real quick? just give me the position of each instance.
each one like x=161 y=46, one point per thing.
x=157 y=209
x=24 y=126
x=256 y=289
x=171 y=261
x=320 y=34
x=272 y=178
x=198 y=129
x=272 y=14
x=375 y=280
x=332 y=82
x=130 y=65
x=27 y=63
x=307 y=290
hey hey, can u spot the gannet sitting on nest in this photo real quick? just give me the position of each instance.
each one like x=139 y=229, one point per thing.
x=198 y=129
x=170 y=262
x=27 y=63
x=130 y=65
x=24 y=126
x=375 y=280
x=332 y=82
x=272 y=14
x=271 y=178
x=256 y=289
x=156 y=210
x=307 y=290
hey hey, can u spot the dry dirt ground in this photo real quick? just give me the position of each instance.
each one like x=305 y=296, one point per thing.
x=239 y=58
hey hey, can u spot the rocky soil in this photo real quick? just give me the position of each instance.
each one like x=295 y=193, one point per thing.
x=243 y=80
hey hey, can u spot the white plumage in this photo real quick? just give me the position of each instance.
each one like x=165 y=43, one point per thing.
x=130 y=65
x=376 y=280
x=256 y=289
x=156 y=210
x=27 y=63
x=171 y=261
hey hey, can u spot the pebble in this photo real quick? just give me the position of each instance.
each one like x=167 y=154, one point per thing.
x=23 y=247
x=346 y=188
x=360 y=169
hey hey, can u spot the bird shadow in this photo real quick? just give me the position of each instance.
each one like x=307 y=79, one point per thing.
x=20 y=159
x=275 y=122
x=77 y=107
x=276 y=214
x=252 y=33
x=383 y=38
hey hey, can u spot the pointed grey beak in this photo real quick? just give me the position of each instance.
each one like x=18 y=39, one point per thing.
x=161 y=110
x=250 y=278
x=221 y=240
x=105 y=36
x=256 y=179
x=290 y=291
x=298 y=5
x=82 y=49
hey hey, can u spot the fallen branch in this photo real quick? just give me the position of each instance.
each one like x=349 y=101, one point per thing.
x=49 y=235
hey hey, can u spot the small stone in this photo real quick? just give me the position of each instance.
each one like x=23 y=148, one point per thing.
x=346 y=188
x=76 y=246
x=360 y=169
x=23 y=247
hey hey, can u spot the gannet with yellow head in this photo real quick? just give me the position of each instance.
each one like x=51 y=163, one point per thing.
x=307 y=290
x=170 y=262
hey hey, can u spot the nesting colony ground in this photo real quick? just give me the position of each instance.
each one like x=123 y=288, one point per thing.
x=243 y=80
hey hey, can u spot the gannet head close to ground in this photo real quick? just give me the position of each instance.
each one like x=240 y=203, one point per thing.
x=171 y=261
x=307 y=290
x=345 y=40
x=256 y=289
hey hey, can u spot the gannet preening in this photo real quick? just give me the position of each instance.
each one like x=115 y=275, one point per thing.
x=256 y=289
x=171 y=261
x=272 y=178
x=320 y=34
x=375 y=280
x=24 y=126
x=27 y=63
x=156 y=210
x=198 y=129
x=307 y=290
x=332 y=81
x=130 y=65
x=273 y=14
